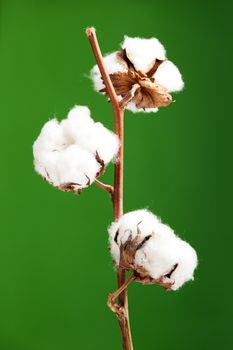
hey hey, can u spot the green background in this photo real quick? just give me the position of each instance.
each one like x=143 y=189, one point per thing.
x=55 y=268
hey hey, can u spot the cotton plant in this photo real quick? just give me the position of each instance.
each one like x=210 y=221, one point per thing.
x=73 y=154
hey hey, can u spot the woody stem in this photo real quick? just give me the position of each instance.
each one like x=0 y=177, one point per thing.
x=118 y=112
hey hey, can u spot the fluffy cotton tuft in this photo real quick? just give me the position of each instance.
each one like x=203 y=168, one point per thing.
x=141 y=72
x=72 y=153
x=168 y=75
x=159 y=256
x=143 y=52
x=93 y=137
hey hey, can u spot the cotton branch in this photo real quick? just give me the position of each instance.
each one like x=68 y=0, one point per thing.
x=118 y=178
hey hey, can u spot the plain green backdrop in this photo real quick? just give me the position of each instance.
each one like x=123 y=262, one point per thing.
x=55 y=268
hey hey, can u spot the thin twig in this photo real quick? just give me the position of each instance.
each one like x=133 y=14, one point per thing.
x=105 y=187
x=112 y=304
x=118 y=111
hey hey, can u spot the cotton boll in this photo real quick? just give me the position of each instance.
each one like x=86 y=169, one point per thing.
x=168 y=75
x=112 y=65
x=142 y=64
x=143 y=52
x=69 y=154
x=152 y=250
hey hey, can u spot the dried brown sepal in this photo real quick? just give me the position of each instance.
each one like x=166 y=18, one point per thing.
x=102 y=165
x=151 y=95
x=88 y=181
x=70 y=187
x=142 y=276
x=122 y=82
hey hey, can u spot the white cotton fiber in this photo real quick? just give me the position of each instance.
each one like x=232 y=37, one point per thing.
x=51 y=137
x=161 y=251
x=77 y=165
x=168 y=75
x=94 y=137
x=137 y=221
x=131 y=106
x=143 y=52
x=105 y=142
x=66 y=152
x=186 y=264
x=46 y=165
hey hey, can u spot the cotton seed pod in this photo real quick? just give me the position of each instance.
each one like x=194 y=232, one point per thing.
x=141 y=74
x=139 y=241
x=72 y=153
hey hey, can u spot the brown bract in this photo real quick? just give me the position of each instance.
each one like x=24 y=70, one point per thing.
x=138 y=87
x=127 y=261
